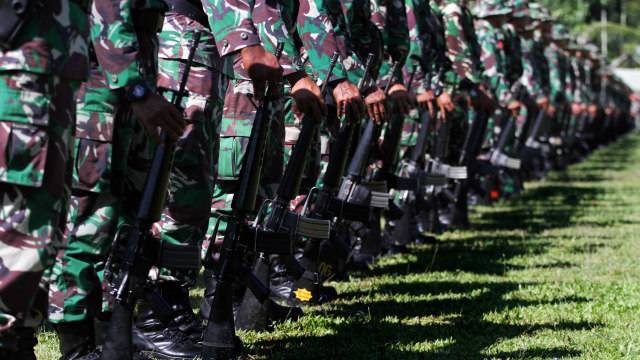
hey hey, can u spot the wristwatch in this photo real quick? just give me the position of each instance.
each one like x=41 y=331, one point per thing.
x=138 y=91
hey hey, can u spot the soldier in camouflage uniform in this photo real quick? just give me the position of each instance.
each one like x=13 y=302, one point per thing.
x=246 y=44
x=41 y=66
x=185 y=219
x=559 y=81
x=491 y=17
x=113 y=152
x=463 y=86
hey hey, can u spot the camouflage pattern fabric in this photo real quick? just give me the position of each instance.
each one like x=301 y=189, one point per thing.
x=39 y=73
x=463 y=49
x=322 y=29
x=235 y=128
x=94 y=209
x=113 y=154
x=186 y=215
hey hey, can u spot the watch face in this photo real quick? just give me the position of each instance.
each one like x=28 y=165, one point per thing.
x=138 y=91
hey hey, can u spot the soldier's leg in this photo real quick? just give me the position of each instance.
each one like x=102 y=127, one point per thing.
x=185 y=218
x=102 y=140
x=35 y=138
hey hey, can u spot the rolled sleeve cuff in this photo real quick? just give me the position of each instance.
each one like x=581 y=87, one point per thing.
x=238 y=39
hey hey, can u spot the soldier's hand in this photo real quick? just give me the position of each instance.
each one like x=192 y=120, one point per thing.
x=401 y=98
x=445 y=103
x=262 y=66
x=375 y=105
x=593 y=110
x=514 y=106
x=551 y=110
x=576 y=108
x=155 y=112
x=543 y=102
x=308 y=98
x=425 y=101
x=349 y=100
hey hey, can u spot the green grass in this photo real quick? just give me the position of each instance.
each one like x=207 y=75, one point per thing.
x=552 y=274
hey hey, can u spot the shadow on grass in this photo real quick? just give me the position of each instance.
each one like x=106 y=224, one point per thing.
x=419 y=319
x=391 y=329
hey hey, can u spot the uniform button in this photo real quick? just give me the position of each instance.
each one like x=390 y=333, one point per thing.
x=114 y=78
x=225 y=43
x=244 y=36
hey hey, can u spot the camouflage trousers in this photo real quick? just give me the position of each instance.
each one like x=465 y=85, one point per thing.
x=36 y=121
x=235 y=128
x=78 y=286
x=186 y=216
x=107 y=143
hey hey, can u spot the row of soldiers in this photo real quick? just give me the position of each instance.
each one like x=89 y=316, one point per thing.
x=295 y=129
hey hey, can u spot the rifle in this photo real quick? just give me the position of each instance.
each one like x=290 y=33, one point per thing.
x=498 y=156
x=142 y=249
x=401 y=228
x=470 y=149
x=351 y=188
x=281 y=221
x=324 y=258
x=220 y=341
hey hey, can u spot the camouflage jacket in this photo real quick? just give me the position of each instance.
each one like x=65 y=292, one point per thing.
x=463 y=49
x=390 y=17
x=513 y=47
x=427 y=44
x=492 y=58
x=368 y=32
x=236 y=24
x=176 y=38
x=531 y=77
x=115 y=35
x=322 y=29
x=559 y=68
x=175 y=41
x=53 y=40
x=580 y=83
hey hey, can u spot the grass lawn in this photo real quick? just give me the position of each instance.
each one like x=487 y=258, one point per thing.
x=552 y=274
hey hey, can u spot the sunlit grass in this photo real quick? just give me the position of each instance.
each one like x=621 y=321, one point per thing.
x=552 y=274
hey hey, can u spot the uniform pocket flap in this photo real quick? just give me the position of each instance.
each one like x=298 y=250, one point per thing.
x=23 y=153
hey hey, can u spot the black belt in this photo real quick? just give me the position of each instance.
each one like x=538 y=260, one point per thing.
x=191 y=9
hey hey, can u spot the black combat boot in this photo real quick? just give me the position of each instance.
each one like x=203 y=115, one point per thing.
x=77 y=339
x=27 y=341
x=161 y=339
x=177 y=296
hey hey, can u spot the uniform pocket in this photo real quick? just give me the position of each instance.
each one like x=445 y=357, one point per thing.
x=92 y=170
x=23 y=153
x=24 y=122
x=230 y=157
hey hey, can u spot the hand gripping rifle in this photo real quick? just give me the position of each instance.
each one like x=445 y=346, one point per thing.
x=220 y=341
x=412 y=177
x=498 y=155
x=327 y=205
x=351 y=188
x=281 y=223
x=324 y=258
x=470 y=148
x=142 y=249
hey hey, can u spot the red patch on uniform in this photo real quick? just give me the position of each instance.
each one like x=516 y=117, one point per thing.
x=500 y=45
x=494 y=195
